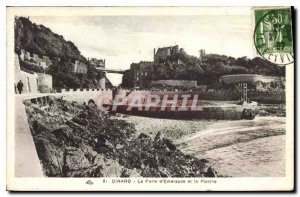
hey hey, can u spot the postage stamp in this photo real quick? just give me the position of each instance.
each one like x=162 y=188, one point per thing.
x=273 y=35
x=150 y=99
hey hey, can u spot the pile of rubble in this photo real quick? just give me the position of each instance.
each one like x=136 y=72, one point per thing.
x=74 y=140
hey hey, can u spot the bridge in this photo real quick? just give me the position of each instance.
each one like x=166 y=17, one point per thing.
x=109 y=70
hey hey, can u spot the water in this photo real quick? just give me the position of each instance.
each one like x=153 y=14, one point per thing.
x=242 y=148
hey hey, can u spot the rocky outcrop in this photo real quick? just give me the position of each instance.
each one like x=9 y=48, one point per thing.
x=73 y=140
x=41 y=40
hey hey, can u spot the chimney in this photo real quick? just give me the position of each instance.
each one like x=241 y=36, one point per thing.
x=154 y=54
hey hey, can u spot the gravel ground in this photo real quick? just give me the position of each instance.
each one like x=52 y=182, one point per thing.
x=170 y=128
x=234 y=148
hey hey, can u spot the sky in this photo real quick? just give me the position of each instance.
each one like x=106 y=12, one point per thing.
x=122 y=40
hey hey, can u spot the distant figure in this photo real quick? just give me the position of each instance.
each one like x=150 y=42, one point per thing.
x=20 y=87
x=92 y=104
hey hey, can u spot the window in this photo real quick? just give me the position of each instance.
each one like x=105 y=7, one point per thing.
x=137 y=78
x=146 y=73
x=169 y=51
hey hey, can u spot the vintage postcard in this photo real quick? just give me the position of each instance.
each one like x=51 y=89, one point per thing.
x=150 y=99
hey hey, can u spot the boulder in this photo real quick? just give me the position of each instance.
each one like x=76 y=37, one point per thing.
x=211 y=172
x=144 y=136
x=64 y=133
x=51 y=156
x=75 y=159
x=170 y=145
x=158 y=137
x=164 y=172
x=38 y=127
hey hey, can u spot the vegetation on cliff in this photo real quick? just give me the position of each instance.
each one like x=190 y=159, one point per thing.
x=208 y=71
x=40 y=40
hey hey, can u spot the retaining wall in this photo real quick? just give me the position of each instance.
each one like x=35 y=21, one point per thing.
x=249 y=78
x=184 y=83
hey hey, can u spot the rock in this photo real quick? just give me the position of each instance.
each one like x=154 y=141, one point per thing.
x=112 y=169
x=51 y=156
x=81 y=121
x=134 y=173
x=170 y=145
x=203 y=160
x=90 y=144
x=144 y=136
x=119 y=146
x=75 y=159
x=27 y=103
x=64 y=133
x=38 y=128
x=101 y=139
x=211 y=172
x=89 y=152
x=99 y=160
x=164 y=172
x=158 y=137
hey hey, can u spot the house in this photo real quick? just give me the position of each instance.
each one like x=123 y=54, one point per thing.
x=78 y=67
x=142 y=73
x=47 y=61
x=165 y=52
x=98 y=63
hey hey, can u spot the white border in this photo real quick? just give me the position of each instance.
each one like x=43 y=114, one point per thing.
x=242 y=184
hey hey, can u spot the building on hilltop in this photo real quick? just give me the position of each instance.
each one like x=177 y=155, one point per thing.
x=77 y=66
x=202 y=55
x=98 y=63
x=165 y=52
x=142 y=73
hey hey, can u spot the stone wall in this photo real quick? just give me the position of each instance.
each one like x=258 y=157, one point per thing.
x=29 y=80
x=44 y=82
x=102 y=82
x=249 y=78
x=27 y=56
x=84 y=95
x=142 y=73
x=184 y=83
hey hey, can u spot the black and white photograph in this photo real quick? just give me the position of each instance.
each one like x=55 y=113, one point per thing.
x=165 y=98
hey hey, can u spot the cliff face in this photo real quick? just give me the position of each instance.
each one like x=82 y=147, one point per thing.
x=41 y=40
